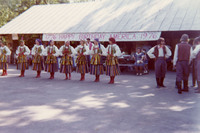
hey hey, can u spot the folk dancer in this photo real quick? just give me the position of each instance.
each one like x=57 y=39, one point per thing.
x=22 y=60
x=4 y=58
x=196 y=56
x=38 y=60
x=66 y=63
x=112 y=65
x=52 y=52
x=96 y=67
x=182 y=59
x=81 y=61
x=194 y=63
x=160 y=52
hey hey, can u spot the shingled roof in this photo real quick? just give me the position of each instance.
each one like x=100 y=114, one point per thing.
x=108 y=16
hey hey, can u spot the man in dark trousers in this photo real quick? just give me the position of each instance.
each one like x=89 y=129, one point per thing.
x=160 y=52
x=193 y=64
x=182 y=59
x=196 y=56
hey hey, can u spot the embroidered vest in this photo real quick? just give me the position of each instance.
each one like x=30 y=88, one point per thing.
x=156 y=51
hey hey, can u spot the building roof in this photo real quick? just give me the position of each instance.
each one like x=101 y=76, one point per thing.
x=108 y=16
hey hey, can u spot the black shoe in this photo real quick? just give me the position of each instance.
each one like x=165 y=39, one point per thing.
x=185 y=90
x=179 y=87
x=161 y=82
x=158 y=82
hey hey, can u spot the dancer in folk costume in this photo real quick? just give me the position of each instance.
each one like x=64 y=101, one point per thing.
x=160 y=52
x=182 y=59
x=4 y=58
x=112 y=65
x=196 y=56
x=22 y=62
x=52 y=52
x=81 y=61
x=38 y=61
x=66 y=63
x=96 y=67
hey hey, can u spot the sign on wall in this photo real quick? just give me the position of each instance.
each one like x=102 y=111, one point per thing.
x=139 y=36
x=15 y=37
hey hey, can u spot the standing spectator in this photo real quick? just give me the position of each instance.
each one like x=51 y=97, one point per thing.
x=89 y=44
x=146 y=60
x=160 y=52
x=182 y=58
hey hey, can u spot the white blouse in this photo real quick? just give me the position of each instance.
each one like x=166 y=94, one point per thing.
x=33 y=51
x=72 y=50
x=8 y=52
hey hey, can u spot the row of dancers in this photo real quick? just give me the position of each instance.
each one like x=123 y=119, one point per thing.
x=46 y=58
x=183 y=55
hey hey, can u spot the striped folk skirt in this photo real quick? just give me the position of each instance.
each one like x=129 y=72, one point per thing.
x=22 y=66
x=66 y=69
x=82 y=68
x=4 y=65
x=112 y=70
x=96 y=69
x=38 y=66
x=51 y=67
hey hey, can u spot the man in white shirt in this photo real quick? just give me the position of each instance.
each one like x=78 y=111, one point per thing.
x=196 y=55
x=182 y=59
x=160 y=52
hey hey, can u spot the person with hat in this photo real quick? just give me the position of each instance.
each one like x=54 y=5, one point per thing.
x=81 y=61
x=66 y=63
x=96 y=67
x=196 y=56
x=112 y=65
x=139 y=61
x=4 y=57
x=182 y=59
x=38 y=60
x=160 y=52
x=22 y=60
x=52 y=52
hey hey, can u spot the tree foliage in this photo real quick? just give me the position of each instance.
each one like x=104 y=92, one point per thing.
x=9 y=9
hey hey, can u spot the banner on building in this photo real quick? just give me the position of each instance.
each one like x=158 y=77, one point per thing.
x=139 y=36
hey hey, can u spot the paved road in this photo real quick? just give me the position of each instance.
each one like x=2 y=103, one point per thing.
x=132 y=105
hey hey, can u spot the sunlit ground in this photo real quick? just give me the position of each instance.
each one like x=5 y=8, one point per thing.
x=132 y=105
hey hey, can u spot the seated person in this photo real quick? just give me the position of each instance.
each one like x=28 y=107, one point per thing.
x=139 y=61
